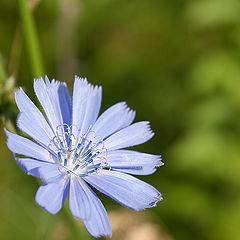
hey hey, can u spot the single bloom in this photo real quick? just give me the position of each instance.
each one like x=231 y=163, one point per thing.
x=72 y=148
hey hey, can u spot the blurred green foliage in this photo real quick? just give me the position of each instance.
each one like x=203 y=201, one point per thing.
x=177 y=63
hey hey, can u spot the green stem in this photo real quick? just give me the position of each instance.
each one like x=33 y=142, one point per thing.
x=30 y=36
x=2 y=71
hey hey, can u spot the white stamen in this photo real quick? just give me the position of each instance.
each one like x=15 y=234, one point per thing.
x=81 y=158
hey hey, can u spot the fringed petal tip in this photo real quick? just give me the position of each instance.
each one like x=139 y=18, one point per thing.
x=126 y=111
x=53 y=82
x=154 y=203
x=135 y=134
x=35 y=80
x=157 y=198
x=129 y=111
x=150 y=131
x=159 y=162
x=17 y=93
x=83 y=79
x=84 y=82
x=49 y=83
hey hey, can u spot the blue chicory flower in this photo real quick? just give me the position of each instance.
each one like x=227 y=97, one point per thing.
x=74 y=148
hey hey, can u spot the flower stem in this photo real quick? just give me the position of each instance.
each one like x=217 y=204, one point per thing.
x=2 y=71
x=30 y=36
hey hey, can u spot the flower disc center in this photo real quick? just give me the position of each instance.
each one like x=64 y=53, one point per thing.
x=82 y=155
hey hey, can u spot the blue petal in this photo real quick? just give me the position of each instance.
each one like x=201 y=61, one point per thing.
x=24 y=146
x=25 y=123
x=39 y=129
x=63 y=98
x=51 y=173
x=31 y=166
x=48 y=172
x=65 y=102
x=47 y=95
x=133 y=162
x=79 y=202
x=132 y=135
x=85 y=205
x=98 y=224
x=86 y=105
x=126 y=189
x=113 y=119
x=52 y=196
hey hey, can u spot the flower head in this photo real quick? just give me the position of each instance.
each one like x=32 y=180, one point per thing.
x=73 y=147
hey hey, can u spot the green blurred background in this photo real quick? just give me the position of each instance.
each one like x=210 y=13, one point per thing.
x=176 y=62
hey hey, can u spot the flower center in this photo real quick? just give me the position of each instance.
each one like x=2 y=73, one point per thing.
x=82 y=156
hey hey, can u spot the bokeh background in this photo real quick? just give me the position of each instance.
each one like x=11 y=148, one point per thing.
x=177 y=63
